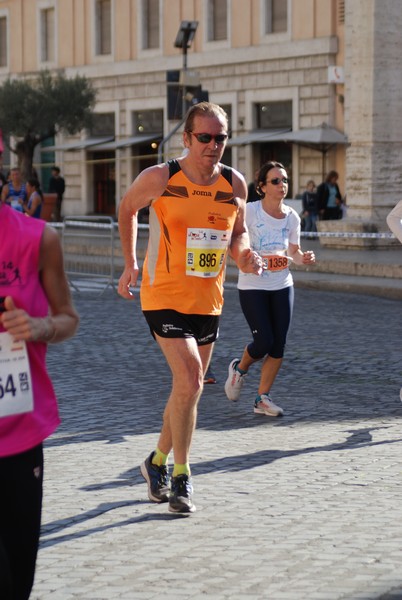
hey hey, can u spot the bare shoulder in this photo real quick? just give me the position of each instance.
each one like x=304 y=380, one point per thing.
x=50 y=241
x=150 y=183
x=156 y=175
x=50 y=236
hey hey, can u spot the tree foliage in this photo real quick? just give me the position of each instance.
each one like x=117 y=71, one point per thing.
x=34 y=110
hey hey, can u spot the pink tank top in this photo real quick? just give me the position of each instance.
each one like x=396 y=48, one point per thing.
x=20 y=239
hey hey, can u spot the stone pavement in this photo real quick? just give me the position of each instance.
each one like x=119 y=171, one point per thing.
x=307 y=507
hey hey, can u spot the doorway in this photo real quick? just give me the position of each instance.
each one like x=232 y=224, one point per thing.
x=104 y=183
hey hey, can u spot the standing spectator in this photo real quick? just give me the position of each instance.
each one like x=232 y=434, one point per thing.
x=57 y=185
x=329 y=198
x=14 y=191
x=394 y=222
x=310 y=207
x=267 y=300
x=197 y=209
x=33 y=206
x=35 y=310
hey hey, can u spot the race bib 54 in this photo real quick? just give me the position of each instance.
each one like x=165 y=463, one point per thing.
x=15 y=377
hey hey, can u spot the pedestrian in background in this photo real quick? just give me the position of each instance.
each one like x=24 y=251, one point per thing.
x=57 y=186
x=33 y=206
x=330 y=198
x=267 y=300
x=14 y=191
x=35 y=310
x=182 y=281
x=310 y=207
x=394 y=221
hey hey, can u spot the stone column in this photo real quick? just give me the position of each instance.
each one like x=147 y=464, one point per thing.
x=373 y=109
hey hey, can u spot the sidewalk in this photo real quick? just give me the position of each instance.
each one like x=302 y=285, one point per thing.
x=373 y=272
x=307 y=507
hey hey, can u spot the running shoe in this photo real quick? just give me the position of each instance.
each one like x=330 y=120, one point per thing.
x=181 y=491
x=264 y=405
x=209 y=377
x=234 y=382
x=157 y=479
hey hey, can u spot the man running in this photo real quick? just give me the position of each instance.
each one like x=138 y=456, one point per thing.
x=196 y=215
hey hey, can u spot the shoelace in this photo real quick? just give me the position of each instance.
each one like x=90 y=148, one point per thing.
x=162 y=474
x=182 y=486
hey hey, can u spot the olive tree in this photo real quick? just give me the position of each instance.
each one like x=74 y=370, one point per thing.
x=32 y=110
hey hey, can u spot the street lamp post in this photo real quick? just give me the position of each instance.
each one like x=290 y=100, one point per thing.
x=183 y=40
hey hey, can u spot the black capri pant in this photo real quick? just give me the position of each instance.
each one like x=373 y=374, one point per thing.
x=21 y=479
x=268 y=314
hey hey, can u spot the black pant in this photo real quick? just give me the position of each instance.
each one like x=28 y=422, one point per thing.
x=21 y=478
x=268 y=314
x=332 y=213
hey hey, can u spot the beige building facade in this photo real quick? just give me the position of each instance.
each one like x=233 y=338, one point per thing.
x=274 y=65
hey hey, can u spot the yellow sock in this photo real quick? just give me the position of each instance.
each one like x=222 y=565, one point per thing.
x=159 y=458
x=181 y=470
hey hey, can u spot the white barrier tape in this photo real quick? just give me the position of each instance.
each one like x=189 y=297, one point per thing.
x=88 y=224
x=346 y=234
x=92 y=225
x=310 y=234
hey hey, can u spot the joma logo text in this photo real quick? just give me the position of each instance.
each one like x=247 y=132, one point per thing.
x=201 y=193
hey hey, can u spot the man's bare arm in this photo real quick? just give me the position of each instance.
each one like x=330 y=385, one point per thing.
x=146 y=187
x=246 y=259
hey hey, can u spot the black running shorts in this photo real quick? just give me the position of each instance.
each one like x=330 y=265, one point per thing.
x=172 y=324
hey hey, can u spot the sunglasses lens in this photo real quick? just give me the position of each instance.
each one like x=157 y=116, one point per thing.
x=277 y=180
x=204 y=138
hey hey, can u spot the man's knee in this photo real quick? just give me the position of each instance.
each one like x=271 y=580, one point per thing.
x=188 y=386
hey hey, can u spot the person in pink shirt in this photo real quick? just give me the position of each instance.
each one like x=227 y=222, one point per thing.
x=35 y=309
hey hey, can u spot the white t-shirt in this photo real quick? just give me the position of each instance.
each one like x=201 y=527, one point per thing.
x=394 y=220
x=270 y=237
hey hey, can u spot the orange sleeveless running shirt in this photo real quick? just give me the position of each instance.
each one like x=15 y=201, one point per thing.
x=190 y=227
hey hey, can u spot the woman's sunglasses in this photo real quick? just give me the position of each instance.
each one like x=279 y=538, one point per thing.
x=205 y=138
x=277 y=180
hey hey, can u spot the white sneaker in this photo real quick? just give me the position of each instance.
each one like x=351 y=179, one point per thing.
x=234 y=382
x=265 y=406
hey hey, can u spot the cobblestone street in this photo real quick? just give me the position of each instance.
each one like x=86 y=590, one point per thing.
x=307 y=507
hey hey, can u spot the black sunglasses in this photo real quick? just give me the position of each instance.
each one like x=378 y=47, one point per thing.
x=205 y=138
x=277 y=180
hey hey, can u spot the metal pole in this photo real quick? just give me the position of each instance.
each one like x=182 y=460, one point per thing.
x=183 y=103
x=167 y=138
